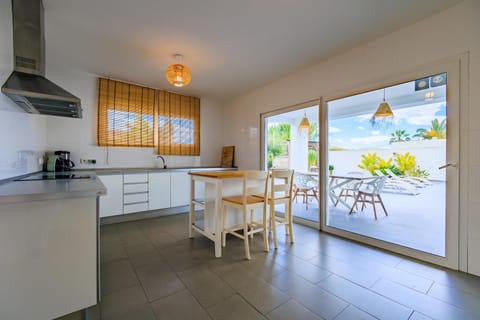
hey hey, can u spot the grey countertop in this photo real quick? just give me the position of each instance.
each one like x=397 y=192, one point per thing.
x=12 y=191
x=26 y=191
x=107 y=171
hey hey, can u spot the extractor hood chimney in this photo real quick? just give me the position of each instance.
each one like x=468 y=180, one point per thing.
x=27 y=85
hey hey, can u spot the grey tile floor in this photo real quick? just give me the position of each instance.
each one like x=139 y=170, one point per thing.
x=152 y=270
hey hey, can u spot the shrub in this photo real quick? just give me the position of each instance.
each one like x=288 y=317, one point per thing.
x=312 y=157
x=401 y=164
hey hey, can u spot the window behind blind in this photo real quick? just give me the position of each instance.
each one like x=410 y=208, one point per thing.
x=125 y=114
x=178 y=124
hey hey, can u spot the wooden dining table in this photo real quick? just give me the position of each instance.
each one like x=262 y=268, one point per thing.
x=217 y=184
x=337 y=181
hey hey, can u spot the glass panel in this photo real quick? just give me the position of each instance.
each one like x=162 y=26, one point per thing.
x=386 y=182
x=288 y=146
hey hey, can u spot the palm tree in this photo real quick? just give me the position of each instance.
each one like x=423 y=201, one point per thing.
x=313 y=132
x=400 y=136
x=437 y=130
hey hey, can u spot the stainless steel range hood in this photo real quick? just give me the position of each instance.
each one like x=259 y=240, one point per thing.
x=27 y=85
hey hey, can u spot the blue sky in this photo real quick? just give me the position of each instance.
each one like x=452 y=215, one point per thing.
x=357 y=132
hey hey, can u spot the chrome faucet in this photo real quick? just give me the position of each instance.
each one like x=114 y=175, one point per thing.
x=163 y=160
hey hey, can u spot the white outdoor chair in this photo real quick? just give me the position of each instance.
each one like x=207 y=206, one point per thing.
x=416 y=181
x=350 y=189
x=369 y=192
x=397 y=184
x=305 y=186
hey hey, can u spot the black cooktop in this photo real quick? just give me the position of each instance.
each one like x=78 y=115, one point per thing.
x=55 y=176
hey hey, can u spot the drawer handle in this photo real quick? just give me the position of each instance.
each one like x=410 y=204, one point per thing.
x=139 y=192
x=132 y=203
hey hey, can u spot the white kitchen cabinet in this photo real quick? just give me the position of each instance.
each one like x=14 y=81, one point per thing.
x=135 y=207
x=48 y=257
x=135 y=177
x=135 y=192
x=179 y=189
x=111 y=204
x=159 y=190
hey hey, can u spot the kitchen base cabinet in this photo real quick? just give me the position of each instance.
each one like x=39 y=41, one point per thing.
x=132 y=193
x=111 y=204
x=48 y=264
x=179 y=189
x=159 y=190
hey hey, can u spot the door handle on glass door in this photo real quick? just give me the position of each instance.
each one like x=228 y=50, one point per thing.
x=449 y=164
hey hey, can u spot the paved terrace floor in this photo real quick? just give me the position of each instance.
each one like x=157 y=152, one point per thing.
x=415 y=221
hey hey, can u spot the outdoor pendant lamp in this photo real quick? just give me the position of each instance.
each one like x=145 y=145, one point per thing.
x=178 y=74
x=384 y=112
x=304 y=124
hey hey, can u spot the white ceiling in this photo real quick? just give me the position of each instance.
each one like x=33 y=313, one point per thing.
x=230 y=46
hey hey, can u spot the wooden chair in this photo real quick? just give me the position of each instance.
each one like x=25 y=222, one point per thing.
x=369 y=192
x=254 y=183
x=305 y=186
x=280 y=192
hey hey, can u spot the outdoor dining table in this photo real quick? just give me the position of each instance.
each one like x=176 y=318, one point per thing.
x=337 y=181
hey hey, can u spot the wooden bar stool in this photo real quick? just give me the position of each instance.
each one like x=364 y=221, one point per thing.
x=280 y=192
x=254 y=183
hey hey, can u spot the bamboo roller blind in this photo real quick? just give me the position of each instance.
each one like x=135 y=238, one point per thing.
x=178 y=124
x=131 y=115
x=125 y=114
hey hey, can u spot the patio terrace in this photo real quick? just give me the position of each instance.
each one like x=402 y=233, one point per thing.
x=417 y=221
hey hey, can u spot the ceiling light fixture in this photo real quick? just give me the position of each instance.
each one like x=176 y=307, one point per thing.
x=178 y=74
x=304 y=124
x=429 y=95
x=384 y=113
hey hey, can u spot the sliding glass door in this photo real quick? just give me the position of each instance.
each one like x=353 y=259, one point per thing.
x=393 y=155
x=290 y=140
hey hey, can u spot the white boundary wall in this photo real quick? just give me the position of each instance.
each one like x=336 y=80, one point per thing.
x=430 y=154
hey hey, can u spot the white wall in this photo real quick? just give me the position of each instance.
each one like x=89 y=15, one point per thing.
x=443 y=35
x=79 y=135
x=429 y=155
x=22 y=136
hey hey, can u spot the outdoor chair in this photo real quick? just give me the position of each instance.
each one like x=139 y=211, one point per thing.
x=350 y=189
x=305 y=186
x=369 y=192
x=254 y=183
x=416 y=181
x=397 y=184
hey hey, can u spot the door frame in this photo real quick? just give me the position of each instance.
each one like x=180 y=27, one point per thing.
x=456 y=224
x=263 y=146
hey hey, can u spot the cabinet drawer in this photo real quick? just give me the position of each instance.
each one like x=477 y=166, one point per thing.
x=135 y=177
x=137 y=207
x=137 y=197
x=139 y=187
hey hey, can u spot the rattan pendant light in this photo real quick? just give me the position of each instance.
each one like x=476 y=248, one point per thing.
x=178 y=74
x=384 y=113
x=305 y=123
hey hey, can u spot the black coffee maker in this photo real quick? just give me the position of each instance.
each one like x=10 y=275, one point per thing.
x=63 y=162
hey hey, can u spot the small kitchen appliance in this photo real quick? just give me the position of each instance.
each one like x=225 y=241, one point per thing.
x=63 y=162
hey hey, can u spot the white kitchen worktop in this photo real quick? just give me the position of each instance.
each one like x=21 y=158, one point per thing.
x=106 y=171
x=12 y=191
